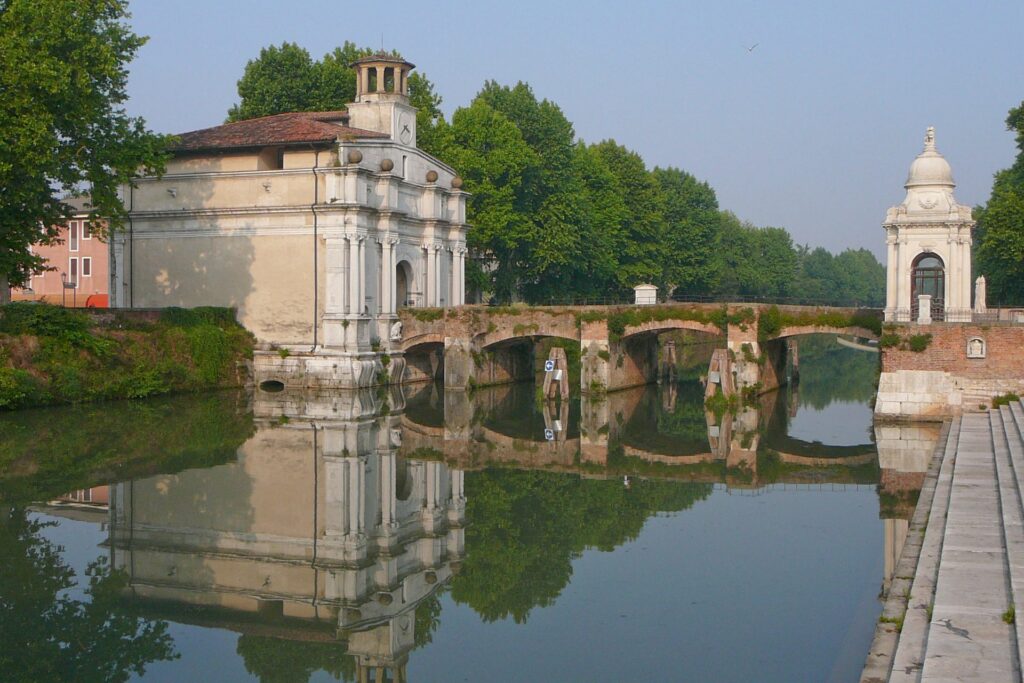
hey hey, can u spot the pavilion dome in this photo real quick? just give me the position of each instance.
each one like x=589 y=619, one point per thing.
x=930 y=169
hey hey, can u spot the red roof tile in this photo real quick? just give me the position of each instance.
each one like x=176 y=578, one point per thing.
x=281 y=129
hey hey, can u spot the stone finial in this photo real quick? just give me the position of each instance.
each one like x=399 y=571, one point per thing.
x=456 y=182
x=386 y=165
x=354 y=156
x=431 y=176
x=929 y=139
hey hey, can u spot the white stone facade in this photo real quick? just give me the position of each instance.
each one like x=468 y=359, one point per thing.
x=929 y=223
x=316 y=243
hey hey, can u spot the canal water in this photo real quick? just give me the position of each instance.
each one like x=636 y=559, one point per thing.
x=418 y=535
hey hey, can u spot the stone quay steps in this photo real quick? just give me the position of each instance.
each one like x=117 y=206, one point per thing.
x=968 y=585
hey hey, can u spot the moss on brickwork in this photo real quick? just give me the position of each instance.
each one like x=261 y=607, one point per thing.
x=51 y=355
x=772 y=320
x=619 y=320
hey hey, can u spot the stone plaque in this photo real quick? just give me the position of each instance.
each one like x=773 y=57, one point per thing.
x=976 y=347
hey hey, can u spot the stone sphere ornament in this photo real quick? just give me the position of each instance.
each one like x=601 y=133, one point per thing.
x=456 y=182
x=354 y=156
x=431 y=176
x=386 y=165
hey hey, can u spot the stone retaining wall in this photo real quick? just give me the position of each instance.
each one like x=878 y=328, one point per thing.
x=962 y=368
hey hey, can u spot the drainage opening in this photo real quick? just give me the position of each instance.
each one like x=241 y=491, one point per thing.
x=272 y=386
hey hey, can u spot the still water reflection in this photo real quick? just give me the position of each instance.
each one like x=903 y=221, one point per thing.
x=429 y=536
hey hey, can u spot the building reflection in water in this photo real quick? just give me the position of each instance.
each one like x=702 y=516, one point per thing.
x=904 y=454
x=346 y=512
x=320 y=531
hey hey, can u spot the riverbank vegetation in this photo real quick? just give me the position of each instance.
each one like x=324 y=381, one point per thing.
x=52 y=355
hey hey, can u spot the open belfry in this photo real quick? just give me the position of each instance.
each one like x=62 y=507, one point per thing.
x=316 y=226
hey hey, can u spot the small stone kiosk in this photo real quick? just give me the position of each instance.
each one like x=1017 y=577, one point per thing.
x=929 y=246
x=937 y=361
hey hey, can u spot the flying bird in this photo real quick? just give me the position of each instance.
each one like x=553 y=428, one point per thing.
x=751 y=48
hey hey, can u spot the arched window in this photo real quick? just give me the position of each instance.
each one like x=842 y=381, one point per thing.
x=928 y=277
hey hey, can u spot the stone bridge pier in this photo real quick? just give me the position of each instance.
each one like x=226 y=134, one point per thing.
x=474 y=346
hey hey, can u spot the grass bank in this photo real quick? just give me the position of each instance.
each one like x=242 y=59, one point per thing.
x=51 y=355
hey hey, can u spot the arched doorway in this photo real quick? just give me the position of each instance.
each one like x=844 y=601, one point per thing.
x=928 y=277
x=403 y=278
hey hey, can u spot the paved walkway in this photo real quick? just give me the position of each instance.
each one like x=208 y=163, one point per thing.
x=967 y=588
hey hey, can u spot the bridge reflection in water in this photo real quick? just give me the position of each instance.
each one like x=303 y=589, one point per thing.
x=344 y=514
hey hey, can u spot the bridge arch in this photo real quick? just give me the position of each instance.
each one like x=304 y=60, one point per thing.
x=799 y=330
x=660 y=326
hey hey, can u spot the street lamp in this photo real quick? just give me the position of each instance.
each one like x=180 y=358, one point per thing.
x=73 y=286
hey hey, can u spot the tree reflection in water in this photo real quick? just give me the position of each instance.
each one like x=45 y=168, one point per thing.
x=46 y=635
x=528 y=526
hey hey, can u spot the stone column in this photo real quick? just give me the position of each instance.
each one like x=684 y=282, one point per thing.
x=380 y=78
x=387 y=276
x=966 y=276
x=891 y=275
x=462 y=275
x=903 y=282
x=393 y=267
x=337 y=271
x=361 y=280
x=436 y=247
x=952 y=284
x=353 y=274
x=431 y=294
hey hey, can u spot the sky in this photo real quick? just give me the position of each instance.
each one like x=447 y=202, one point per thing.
x=812 y=130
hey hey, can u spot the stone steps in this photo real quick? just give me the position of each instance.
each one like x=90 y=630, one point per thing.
x=967 y=639
x=908 y=659
x=1008 y=446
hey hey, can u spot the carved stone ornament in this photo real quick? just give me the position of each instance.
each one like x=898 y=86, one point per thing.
x=386 y=165
x=976 y=347
x=396 y=331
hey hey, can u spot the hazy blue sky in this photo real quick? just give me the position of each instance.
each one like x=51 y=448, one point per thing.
x=813 y=130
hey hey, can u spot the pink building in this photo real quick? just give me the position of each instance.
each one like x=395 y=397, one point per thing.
x=80 y=258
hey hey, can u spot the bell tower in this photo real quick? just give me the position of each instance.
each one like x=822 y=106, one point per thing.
x=382 y=98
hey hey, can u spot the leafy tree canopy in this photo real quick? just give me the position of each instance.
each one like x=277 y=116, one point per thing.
x=1000 y=232
x=64 y=125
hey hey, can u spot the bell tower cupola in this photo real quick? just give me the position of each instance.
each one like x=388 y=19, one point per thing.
x=382 y=98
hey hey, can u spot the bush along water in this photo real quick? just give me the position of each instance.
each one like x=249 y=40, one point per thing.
x=53 y=355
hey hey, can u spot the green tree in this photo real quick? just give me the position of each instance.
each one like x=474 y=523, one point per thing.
x=1000 y=232
x=642 y=250
x=285 y=79
x=63 y=121
x=281 y=79
x=691 y=222
x=492 y=157
x=549 y=195
x=47 y=635
x=860 y=278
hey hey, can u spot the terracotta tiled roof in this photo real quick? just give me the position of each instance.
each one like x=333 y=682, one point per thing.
x=281 y=129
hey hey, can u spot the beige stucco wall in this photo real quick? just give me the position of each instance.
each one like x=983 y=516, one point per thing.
x=269 y=279
x=211 y=163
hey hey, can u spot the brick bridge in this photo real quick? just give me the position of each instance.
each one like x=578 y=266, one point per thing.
x=471 y=346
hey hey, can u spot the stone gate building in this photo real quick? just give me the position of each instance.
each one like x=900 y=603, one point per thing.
x=317 y=226
x=928 y=237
